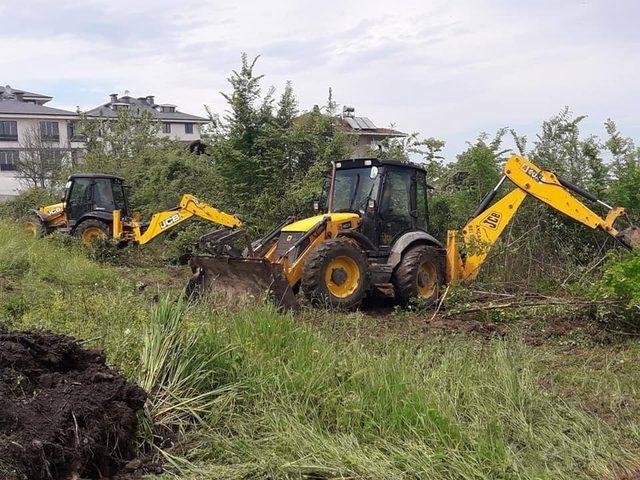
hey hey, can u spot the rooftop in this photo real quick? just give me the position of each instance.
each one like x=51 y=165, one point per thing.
x=39 y=98
x=12 y=106
x=166 y=112
x=363 y=126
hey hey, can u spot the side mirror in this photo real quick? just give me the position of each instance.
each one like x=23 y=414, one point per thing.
x=316 y=206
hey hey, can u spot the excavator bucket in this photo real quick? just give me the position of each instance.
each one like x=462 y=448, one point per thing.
x=240 y=277
x=630 y=237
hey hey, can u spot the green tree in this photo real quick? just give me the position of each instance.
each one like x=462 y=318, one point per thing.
x=625 y=169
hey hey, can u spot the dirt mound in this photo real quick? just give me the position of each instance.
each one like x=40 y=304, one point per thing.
x=63 y=412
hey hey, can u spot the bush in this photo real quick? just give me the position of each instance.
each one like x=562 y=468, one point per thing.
x=23 y=203
x=621 y=279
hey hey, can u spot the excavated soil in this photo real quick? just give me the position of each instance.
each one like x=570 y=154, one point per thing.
x=63 y=413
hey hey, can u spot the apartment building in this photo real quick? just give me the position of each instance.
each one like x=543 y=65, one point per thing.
x=174 y=124
x=29 y=128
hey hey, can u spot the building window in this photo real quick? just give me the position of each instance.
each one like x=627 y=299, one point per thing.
x=168 y=109
x=49 y=131
x=8 y=159
x=188 y=128
x=166 y=128
x=73 y=132
x=9 y=130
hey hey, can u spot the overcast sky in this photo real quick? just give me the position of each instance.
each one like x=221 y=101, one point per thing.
x=448 y=69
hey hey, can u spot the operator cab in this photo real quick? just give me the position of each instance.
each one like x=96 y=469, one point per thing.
x=389 y=195
x=94 y=194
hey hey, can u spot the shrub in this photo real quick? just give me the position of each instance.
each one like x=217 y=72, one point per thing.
x=23 y=203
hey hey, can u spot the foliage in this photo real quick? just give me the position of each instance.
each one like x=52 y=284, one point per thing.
x=266 y=160
x=461 y=185
x=181 y=373
x=25 y=202
x=269 y=159
x=622 y=279
x=111 y=144
x=625 y=169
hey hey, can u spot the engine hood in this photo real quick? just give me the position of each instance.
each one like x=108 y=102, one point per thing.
x=307 y=224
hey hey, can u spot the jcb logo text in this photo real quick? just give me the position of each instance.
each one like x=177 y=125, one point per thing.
x=493 y=220
x=167 y=222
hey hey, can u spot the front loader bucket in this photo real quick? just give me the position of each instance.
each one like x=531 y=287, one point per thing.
x=630 y=237
x=240 y=277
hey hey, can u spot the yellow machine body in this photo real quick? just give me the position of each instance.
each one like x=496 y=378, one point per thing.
x=160 y=222
x=54 y=217
x=281 y=265
x=334 y=222
x=482 y=231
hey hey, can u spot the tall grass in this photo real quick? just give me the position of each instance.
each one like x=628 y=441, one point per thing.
x=257 y=394
x=179 y=373
x=452 y=408
x=50 y=284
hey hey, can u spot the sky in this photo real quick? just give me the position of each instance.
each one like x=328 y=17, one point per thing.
x=446 y=69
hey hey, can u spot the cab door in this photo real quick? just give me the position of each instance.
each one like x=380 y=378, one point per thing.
x=79 y=199
x=397 y=210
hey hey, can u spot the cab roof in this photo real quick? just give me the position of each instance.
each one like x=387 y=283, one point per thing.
x=95 y=175
x=366 y=162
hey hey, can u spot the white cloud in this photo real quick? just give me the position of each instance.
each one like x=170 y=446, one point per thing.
x=447 y=69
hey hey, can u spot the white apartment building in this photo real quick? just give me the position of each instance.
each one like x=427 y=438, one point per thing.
x=27 y=125
x=174 y=124
x=25 y=121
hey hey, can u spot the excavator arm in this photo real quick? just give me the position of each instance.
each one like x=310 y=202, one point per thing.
x=189 y=206
x=489 y=221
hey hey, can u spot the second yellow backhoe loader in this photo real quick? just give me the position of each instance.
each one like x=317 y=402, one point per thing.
x=376 y=235
x=96 y=206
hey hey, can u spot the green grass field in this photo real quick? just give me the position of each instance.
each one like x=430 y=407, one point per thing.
x=252 y=393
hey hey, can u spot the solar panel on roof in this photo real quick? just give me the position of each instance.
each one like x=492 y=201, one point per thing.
x=352 y=122
x=361 y=123
x=368 y=122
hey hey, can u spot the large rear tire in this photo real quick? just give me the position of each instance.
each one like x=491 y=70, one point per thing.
x=336 y=275
x=420 y=274
x=92 y=231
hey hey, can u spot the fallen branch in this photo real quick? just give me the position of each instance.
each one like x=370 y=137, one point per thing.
x=440 y=303
x=511 y=305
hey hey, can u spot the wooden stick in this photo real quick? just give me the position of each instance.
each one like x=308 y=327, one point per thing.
x=440 y=303
x=508 y=305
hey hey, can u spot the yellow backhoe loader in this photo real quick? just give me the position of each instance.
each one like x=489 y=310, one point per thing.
x=96 y=206
x=376 y=235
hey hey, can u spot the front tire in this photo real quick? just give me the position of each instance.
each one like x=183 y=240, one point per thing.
x=420 y=274
x=91 y=231
x=336 y=274
x=34 y=226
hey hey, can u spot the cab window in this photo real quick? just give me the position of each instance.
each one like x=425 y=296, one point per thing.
x=103 y=195
x=79 y=200
x=421 y=201
x=80 y=192
x=395 y=204
x=354 y=187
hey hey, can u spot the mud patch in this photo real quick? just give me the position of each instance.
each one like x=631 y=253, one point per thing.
x=63 y=412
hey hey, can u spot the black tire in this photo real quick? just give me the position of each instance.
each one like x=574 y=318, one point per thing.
x=34 y=225
x=409 y=280
x=84 y=230
x=314 y=284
